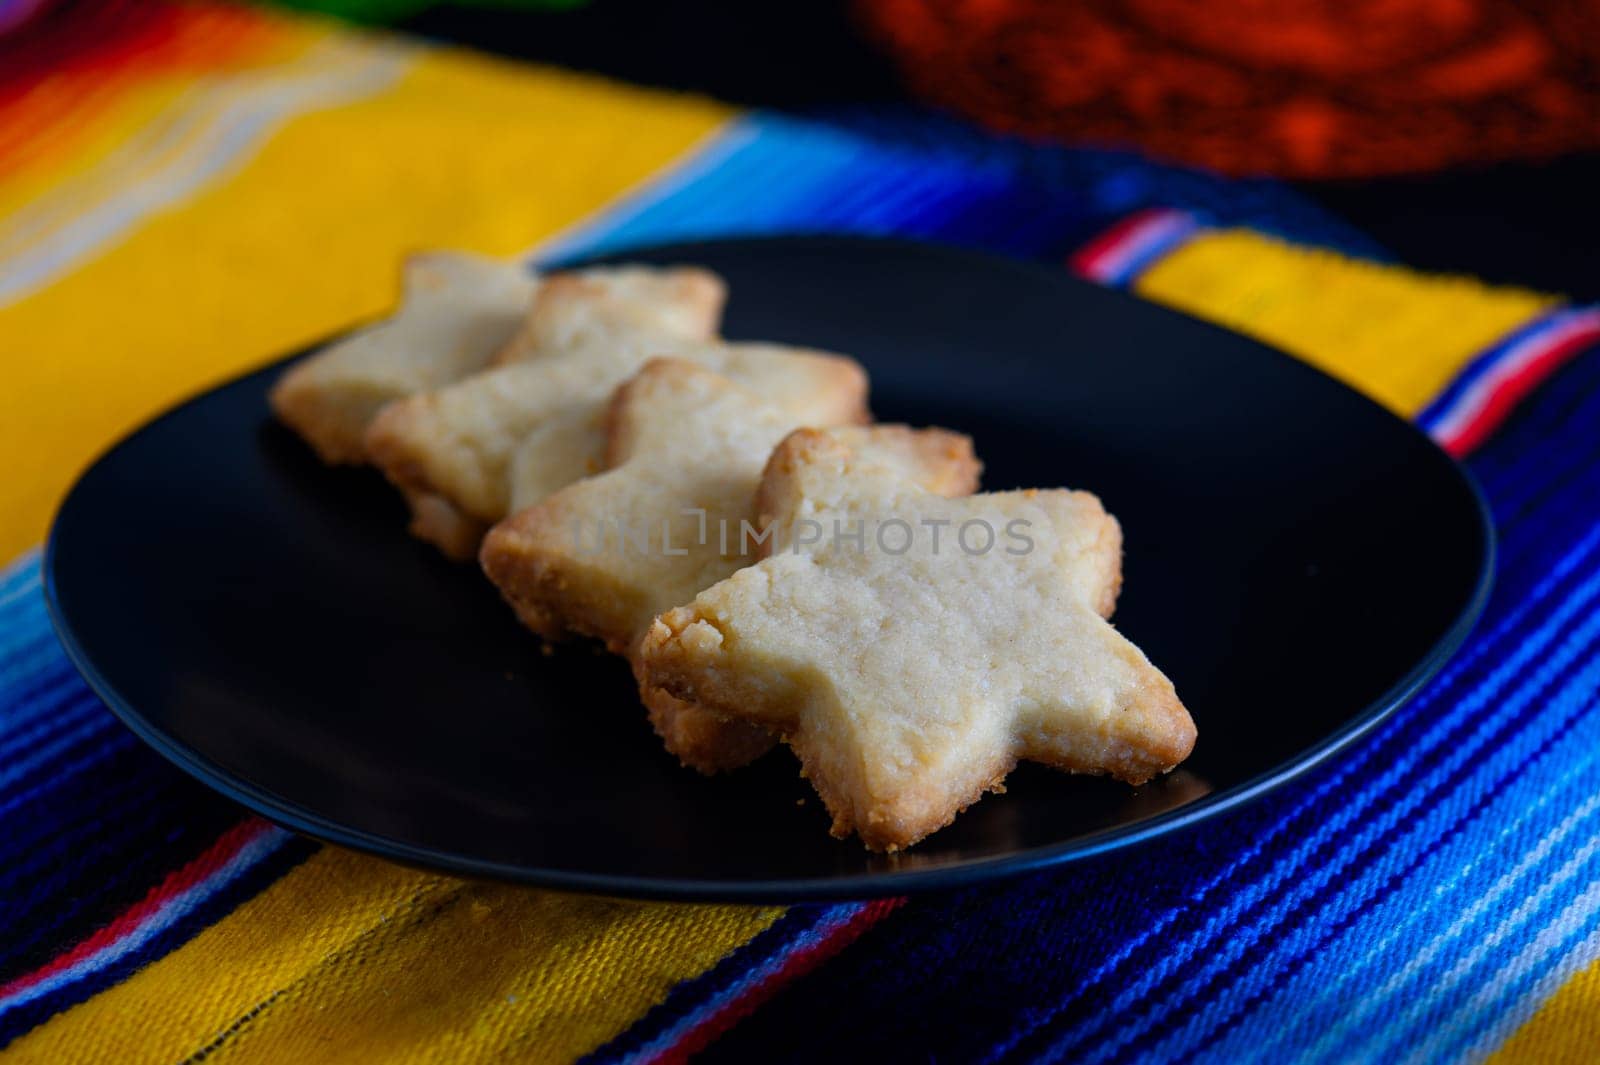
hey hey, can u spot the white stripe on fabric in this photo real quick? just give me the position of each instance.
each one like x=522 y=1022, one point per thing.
x=1476 y=398
x=217 y=126
x=1528 y=649
x=159 y=920
x=1524 y=1006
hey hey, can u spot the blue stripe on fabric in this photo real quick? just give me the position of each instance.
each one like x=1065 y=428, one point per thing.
x=1304 y=934
x=1327 y=990
x=1177 y=231
x=21 y=770
x=1320 y=871
x=66 y=712
x=1512 y=493
x=21 y=572
x=691 y=996
x=49 y=789
x=88 y=886
x=1107 y=185
x=1506 y=723
x=91 y=819
x=34 y=663
x=1504 y=715
x=1405 y=749
x=16 y=1021
x=785 y=175
x=912 y=176
x=1431 y=926
x=108 y=786
x=1473 y=371
x=42 y=696
x=782 y=174
x=1568 y=613
x=1416 y=844
x=1458 y=1038
x=91 y=800
x=1580 y=956
x=1476 y=982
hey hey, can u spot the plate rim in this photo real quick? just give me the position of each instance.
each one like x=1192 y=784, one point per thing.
x=962 y=873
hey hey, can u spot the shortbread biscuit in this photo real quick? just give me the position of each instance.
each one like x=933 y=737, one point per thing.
x=435 y=520
x=675 y=513
x=618 y=305
x=506 y=438
x=457 y=312
x=460 y=313
x=910 y=677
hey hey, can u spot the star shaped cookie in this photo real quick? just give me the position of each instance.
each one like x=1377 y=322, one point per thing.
x=674 y=513
x=508 y=437
x=911 y=670
x=457 y=311
x=618 y=305
x=460 y=313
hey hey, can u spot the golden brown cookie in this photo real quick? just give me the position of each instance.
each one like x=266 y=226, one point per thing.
x=673 y=514
x=456 y=312
x=618 y=305
x=911 y=669
x=506 y=438
x=460 y=313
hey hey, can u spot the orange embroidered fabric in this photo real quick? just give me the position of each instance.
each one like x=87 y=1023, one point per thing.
x=1313 y=88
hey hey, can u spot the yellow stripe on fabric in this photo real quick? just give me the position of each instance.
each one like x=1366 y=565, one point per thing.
x=119 y=110
x=463 y=151
x=117 y=118
x=190 y=145
x=347 y=958
x=1396 y=335
x=1566 y=1027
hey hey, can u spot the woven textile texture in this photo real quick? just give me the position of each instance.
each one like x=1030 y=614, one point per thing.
x=191 y=190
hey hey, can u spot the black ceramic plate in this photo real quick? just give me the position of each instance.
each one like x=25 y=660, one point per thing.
x=1298 y=561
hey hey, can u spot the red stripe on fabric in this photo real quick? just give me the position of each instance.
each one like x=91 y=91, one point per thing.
x=82 y=34
x=1084 y=261
x=159 y=35
x=176 y=882
x=1513 y=390
x=796 y=965
x=42 y=102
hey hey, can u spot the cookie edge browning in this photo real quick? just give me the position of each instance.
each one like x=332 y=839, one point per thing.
x=319 y=412
x=679 y=652
x=679 y=658
x=1106 y=551
x=304 y=404
x=948 y=466
x=529 y=576
x=696 y=284
x=946 y=457
x=337 y=436
x=930 y=446
x=390 y=439
x=525 y=577
x=530 y=579
x=702 y=741
x=437 y=521
x=391 y=447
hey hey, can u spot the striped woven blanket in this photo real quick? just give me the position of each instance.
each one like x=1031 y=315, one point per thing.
x=189 y=190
